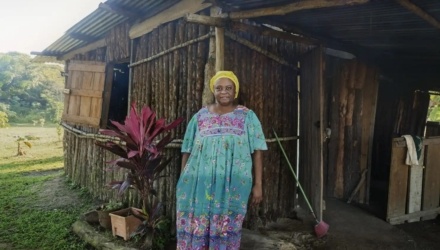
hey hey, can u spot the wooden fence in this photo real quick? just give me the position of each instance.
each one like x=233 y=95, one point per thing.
x=414 y=191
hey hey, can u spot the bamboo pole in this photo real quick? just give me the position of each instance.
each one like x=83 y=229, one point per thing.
x=160 y=54
x=252 y=46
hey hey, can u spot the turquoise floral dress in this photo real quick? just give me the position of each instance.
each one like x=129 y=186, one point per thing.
x=214 y=188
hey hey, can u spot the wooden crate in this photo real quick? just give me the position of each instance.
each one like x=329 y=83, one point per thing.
x=124 y=223
x=414 y=191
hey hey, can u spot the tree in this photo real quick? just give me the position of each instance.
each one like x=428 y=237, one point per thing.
x=434 y=108
x=33 y=90
x=3 y=119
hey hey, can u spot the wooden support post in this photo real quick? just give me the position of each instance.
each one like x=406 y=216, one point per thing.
x=421 y=13
x=219 y=48
x=207 y=96
x=322 y=132
x=293 y=7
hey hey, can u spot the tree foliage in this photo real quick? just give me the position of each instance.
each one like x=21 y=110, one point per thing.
x=28 y=90
x=3 y=119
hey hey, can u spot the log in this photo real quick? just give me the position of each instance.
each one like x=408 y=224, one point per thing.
x=98 y=240
x=252 y=46
x=421 y=13
x=164 y=52
x=176 y=11
x=219 y=49
x=293 y=7
x=238 y=26
x=207 y=96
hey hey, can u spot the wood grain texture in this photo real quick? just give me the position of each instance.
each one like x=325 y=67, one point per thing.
x=397 y=190
x=431 y=183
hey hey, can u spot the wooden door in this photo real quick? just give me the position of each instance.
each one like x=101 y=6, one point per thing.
x=311 y=128
x=84 y=92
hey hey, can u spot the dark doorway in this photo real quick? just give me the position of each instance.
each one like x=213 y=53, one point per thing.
x=119 y=93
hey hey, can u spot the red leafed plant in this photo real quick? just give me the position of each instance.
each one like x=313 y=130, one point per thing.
x=142 y=152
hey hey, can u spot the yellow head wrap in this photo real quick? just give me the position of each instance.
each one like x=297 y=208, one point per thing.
x=225 y=74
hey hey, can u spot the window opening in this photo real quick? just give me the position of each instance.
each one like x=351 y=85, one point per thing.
x=433 y=118
x=119 y=94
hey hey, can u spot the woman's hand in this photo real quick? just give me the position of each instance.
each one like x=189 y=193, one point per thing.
x=257 y=194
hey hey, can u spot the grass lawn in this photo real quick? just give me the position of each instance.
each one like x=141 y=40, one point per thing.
x=36 y=204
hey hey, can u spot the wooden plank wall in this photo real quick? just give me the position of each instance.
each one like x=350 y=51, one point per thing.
x=117 y=39
x=270 y=90
x=172 y=84
x=404 y=114
x=398 y=209
x=311 y=124
x=432 y=129
x=353 y=88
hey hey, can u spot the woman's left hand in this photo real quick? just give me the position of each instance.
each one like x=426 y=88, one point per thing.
x=257 y=194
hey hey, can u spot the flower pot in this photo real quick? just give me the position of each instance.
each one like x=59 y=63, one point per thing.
x=124 y=223
x=104 y=219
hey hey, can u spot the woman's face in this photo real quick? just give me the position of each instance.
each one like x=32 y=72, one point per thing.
x=224 y=91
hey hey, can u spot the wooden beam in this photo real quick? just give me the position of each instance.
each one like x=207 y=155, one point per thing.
x=293 y=7
x=206 y=20
x=421 y=13
x=258 y=30
x=37 y=53
x=265 y=31
x=260 y=50
x=176 y=11
x=84 y=49
x=118 y=11
x=402 y=218
x=219 y=48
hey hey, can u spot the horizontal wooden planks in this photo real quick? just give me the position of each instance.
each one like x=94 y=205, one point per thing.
x=414 y=191
x=84 y=90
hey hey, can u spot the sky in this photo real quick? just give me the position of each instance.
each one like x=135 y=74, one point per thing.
x=33 y=25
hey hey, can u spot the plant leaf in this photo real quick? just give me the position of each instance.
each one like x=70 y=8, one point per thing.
x=174 y=124
x=161 y=166
x=124 y=186
x=132 y=153
x=162 y=143
x=158 y=128
x=126 y=164
x=114 y=148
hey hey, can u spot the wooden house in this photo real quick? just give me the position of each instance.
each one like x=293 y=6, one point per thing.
x=353 y=74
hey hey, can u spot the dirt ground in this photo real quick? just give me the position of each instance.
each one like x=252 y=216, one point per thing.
x=354 y=228
x=350 y=226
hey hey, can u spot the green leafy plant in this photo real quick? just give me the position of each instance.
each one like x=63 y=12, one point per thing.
x=144 y=138
x=3 y=119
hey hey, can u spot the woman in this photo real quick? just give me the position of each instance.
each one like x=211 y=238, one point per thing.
x=221 y=144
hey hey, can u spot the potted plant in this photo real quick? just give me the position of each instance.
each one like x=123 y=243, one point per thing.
x=143 y=140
